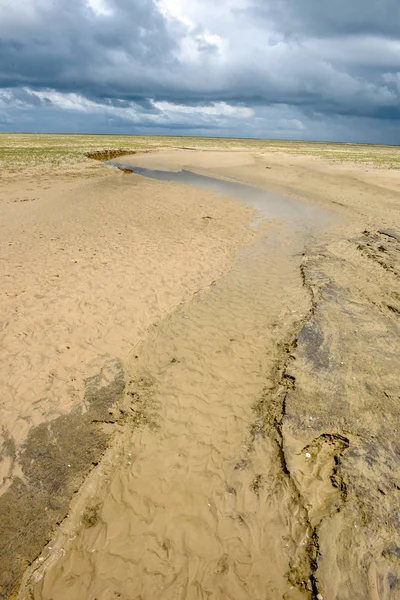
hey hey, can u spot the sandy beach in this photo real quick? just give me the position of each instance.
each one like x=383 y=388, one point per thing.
x=199 y=399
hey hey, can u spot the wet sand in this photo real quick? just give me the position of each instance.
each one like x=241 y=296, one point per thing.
x=87 y=268
x=241 y=436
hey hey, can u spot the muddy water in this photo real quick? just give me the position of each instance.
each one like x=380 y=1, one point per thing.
x=199 y=503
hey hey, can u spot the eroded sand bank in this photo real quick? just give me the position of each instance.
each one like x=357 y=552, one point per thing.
x=254 y=451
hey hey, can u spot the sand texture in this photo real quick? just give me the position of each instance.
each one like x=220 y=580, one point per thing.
x=195 y=406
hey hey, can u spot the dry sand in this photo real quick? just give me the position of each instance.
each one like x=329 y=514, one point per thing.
x=232 y=391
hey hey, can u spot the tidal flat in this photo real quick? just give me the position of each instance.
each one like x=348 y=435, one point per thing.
x=200 y=393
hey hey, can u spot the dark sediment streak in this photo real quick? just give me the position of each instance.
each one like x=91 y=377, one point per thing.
x=55 y=459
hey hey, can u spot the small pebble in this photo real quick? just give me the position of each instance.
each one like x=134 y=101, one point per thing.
x=308 y=455
x=320 y=597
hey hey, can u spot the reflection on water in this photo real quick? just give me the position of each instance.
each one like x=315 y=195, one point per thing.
x=269 y=204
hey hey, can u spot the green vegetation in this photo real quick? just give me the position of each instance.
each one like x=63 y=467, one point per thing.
x=18 y=151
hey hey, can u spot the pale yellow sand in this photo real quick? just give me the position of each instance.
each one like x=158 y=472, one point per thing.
x=365 y=191
x=244 y=404
x=87 y=268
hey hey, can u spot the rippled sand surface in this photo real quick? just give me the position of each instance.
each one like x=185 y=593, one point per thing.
x=87 y=268
x=245 y=441
x=197 y=503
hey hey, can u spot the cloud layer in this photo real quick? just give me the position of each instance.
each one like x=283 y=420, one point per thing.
x=314 y=69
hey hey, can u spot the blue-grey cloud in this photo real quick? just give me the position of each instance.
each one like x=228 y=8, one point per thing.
x=137 y=61
x=331 y=18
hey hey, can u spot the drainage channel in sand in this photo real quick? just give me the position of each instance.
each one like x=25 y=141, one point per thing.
x=268 y=204
x=198 y=503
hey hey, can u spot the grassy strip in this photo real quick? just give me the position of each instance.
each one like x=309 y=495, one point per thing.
x=17 y=151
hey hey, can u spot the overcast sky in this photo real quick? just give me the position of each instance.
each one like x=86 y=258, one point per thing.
x=296 y=69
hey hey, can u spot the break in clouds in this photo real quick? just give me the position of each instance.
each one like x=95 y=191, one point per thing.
x=315 y=69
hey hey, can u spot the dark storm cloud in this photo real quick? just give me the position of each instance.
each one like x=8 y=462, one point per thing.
x=65 y=45
x=320 y=57
x=331 y=17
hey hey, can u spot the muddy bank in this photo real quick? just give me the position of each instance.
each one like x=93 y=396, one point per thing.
x=108 y=154
x=342 y=421
x=54 y=461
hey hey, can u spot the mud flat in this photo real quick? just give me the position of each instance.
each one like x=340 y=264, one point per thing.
x=253 y=452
